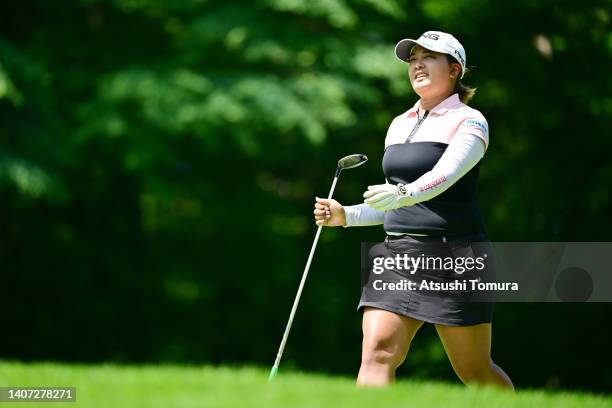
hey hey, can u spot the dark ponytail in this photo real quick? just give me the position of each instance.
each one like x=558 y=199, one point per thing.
x=465 y=92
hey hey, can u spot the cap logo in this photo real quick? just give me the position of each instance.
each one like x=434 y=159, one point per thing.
x=459 y=56
x=431 y=36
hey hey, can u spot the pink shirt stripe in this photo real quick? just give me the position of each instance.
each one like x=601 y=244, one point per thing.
x=446 y=120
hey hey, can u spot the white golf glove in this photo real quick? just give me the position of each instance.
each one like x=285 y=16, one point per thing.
x=385 y=197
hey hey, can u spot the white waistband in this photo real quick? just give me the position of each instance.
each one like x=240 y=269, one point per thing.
x=404 y=233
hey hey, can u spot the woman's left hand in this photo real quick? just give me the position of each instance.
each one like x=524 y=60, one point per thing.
x=385 y=197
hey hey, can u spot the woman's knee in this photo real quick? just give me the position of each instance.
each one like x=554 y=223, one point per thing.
x=473 y=371
x=382 y=351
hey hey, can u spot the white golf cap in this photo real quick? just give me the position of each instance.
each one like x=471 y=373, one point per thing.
x=434 y=41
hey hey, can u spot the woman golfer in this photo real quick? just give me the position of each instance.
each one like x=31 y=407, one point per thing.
x=428 y=206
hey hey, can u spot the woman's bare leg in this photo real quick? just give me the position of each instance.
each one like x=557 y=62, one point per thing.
x=469 y=351
x=386 y=340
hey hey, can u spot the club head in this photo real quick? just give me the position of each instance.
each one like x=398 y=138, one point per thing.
x=352 y=161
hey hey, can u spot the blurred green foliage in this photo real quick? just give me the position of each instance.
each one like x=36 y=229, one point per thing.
x=159 y=160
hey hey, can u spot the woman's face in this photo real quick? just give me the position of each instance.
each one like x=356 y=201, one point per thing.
x=430 y=73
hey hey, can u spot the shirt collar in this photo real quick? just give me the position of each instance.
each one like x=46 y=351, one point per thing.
x=439 y=109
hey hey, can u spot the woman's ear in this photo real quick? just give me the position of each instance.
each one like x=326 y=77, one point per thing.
x=455 y=70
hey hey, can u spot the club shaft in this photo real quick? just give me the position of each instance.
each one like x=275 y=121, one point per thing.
x=281 y=349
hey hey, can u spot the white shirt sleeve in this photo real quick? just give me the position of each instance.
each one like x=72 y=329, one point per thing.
x=462 y=154
x=362 y=215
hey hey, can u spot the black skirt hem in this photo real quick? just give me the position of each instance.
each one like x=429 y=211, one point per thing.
x=427 y=319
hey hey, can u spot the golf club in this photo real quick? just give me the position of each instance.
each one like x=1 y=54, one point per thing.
x=348 y=162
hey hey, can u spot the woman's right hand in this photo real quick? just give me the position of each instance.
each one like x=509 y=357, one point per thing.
x=329 y=213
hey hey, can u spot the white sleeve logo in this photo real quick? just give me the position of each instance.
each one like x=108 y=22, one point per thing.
x=478 y=124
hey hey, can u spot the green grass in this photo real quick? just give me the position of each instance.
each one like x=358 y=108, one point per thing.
x=171 y=386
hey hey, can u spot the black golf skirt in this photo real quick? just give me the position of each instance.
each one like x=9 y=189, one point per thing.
x=441 y=291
